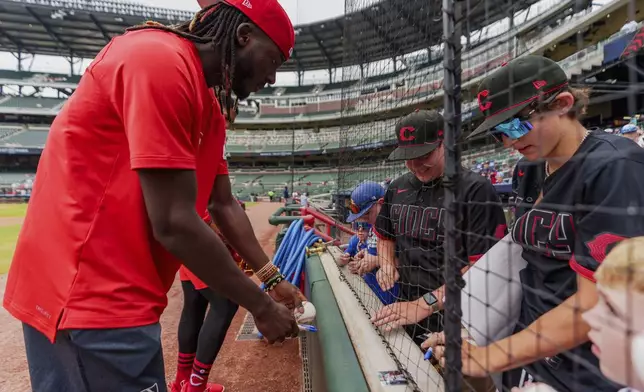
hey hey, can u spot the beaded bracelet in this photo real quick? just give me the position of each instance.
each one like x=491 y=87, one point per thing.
x=262 y=271
x=274 y=277
x=274 y=281
x=268 y=270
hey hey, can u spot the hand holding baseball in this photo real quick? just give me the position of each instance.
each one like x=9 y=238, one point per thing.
x=276 y=322
x=288 y=295
x=537 y=387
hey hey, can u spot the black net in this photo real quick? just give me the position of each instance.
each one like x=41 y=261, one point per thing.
x=500 y=237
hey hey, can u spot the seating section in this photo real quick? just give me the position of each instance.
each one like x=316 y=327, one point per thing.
x=8 y=179
x=31 y=102
x=25 y=76
x=246 y=182
x=277 y=148
x=421 y=79
x=25 y=138
x=9 y=129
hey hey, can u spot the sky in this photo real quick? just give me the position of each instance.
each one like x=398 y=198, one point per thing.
x=300 y=11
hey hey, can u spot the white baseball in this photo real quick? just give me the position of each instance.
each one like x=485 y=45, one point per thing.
x=538 y=387
x=308 y=315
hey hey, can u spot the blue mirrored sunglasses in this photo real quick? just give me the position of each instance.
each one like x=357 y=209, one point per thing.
x=514 y=128
x=361 y=225
x=520 y=126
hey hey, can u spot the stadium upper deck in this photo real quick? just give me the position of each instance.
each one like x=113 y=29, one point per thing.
x=280 y=106
x=319 y=107
x=410 y=88
x=80 y=28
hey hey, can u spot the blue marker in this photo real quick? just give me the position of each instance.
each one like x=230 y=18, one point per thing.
x=308 y=328
x=302 y=327
x=428 y=354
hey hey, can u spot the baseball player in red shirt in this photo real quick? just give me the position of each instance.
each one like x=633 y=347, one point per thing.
x=131 y=161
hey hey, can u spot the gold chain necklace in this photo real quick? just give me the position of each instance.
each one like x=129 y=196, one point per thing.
x=582 y=142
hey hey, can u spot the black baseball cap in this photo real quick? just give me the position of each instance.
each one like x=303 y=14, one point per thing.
x=418 y=134
x=502 y=95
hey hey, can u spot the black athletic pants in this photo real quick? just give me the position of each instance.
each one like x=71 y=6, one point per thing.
x=200 y=332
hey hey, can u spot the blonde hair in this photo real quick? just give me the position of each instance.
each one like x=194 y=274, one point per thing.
x=623 y=267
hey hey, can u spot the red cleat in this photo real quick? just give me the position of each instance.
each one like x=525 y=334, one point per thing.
x=210 y=387
x=174 y=387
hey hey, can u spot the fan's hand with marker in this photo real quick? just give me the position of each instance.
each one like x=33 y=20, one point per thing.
x=354 y=266
x=368 y=264
x=387 y=276
x=344 y=259
x=476 y=360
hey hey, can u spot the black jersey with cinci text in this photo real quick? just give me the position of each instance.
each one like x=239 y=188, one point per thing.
x=589 y=204
x=413 y=216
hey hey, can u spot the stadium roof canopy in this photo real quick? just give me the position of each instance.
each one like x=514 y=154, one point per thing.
x=387 y=29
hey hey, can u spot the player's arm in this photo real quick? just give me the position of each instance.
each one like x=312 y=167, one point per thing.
x=170 y=197
x=158 y=115
x=611 y=192
x=234 y=224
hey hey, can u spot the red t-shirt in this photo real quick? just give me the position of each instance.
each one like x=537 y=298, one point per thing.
x=86 y=257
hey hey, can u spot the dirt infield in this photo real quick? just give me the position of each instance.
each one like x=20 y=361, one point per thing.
x=241 y=366
x=11 y=221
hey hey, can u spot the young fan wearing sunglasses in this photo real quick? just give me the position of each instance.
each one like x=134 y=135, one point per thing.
x=591 y=182
x=410 y=226
x=366 y=202
x=357 y=244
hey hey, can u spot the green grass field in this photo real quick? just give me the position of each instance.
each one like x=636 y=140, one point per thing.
x=9 y=233
x=8 y=237
x=13 y=210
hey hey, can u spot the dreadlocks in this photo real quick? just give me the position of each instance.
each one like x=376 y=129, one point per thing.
x=216 y=24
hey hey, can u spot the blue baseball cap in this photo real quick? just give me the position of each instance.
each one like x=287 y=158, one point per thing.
x=628 y=128
x=363 y=198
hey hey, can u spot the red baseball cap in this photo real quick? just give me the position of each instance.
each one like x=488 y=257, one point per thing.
x=269 y=16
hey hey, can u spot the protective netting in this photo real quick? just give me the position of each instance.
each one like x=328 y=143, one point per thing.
x=511 y=182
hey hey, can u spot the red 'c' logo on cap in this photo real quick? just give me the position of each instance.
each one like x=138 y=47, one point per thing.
x=406 y=134
x=484 y=105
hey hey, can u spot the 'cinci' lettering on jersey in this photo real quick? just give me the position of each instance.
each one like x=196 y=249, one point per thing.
x=418 y=222
x=547 y=231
